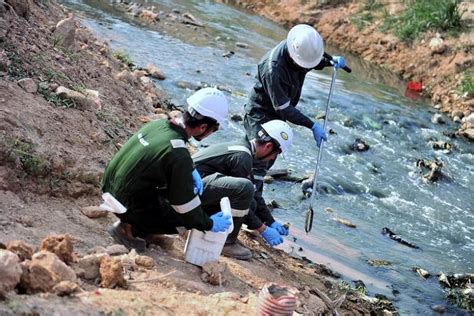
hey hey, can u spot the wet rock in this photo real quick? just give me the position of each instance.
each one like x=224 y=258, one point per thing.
x=65 y=288
x=10 y=271
x=145 y=261
x=190 y=19
x=360 y=145
x=186 y=85
x=116 y=250
x=421 y=272
x=378 y=262
x=438 y=119
x=344 y=222
x=44 y=271
x=438 y=308
x=94 y=212
x=88 y=266
x=155 y=72
x=111 y=275
x=228 y=54
x=387 y=232
x=60 y=245
x=430 y=169
x=236 y=117
x=242 y=45
x=65 y=32
x=268 y=179
x=21 y=249
x=273 y=204
x=440 y=145
x=28 y=85
x=468 y=133
x=214 y=273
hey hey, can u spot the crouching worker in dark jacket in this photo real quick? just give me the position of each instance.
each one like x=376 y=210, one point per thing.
x=226 y=170
x=154 y=178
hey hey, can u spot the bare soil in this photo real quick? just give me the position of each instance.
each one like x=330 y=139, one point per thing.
x=52 y=155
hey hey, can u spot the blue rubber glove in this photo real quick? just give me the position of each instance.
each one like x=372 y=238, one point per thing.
x=220 y=222
x=279 y=228
x=198 y=186
x=318 y=133
x=338 y=62
x=271 y=236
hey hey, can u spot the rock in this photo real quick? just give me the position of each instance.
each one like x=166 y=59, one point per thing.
x=148 y=16
x=61 y=245
x=421 y=272
x=440 y=145
x=175 y=114
x=10 y=271
x=242 y=45
x=116 y=250
x=267 y=179
x=378 y=262
x=468 y=133
x=81 y=100
x=344 y=222
x=236 y=117
x=186 y=85
x=28 y=85
x=190 y=19
x=88 y=266
x=468 y=121
x=127 y=77
x=213 y=273
x=155 y=72
x=65 y=288
x=437 y=46
x=21 y=249
x=94 y=212
x=457 y=113
x=145 y=261
x=360 y=145
x=438 y=308
x=65 y=32
x=44 y=271
x=111 y=273
x=437 y=119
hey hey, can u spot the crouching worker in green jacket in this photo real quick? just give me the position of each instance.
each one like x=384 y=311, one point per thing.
x=154 y=178
x=226 y=170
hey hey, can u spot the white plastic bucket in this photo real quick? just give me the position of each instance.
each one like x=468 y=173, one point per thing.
x=111 y=204
x=201 y=247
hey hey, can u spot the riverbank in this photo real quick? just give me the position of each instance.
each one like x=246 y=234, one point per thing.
x=68 y=103
x=440 y=61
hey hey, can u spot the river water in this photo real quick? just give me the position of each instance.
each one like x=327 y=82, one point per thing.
x=378 y=188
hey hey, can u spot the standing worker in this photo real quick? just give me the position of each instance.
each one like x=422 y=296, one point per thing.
x=280 y=78
x=154 y=178
x=226 y=170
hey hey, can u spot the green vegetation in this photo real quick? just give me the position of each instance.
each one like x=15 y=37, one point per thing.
x=22 y=151
x=418 y=16
x=124 y=58
x=424 y=15
x=467 y=83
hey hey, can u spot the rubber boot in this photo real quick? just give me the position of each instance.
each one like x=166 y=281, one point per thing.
x=122 y=234
x=232 y=248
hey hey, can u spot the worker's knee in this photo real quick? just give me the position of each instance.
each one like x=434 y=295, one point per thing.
x=247 y=189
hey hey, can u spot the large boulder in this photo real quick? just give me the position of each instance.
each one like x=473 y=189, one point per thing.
x=44 y=271
x=10 y=271
x=61 y=245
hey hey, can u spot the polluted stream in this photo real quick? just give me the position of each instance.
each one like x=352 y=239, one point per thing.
x=380 y=187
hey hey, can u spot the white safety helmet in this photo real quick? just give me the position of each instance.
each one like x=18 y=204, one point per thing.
x=210 y=102
x=279 y=131
x=305 y=46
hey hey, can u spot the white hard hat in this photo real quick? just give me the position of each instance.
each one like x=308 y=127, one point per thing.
x=280 y=132
x=210 y=102
x=305 y=46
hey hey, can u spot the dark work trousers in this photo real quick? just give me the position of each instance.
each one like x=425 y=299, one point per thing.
x=240 y=192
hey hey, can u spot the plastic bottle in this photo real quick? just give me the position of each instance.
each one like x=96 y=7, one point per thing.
x=203 y=247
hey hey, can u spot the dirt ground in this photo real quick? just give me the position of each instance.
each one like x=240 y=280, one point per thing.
x=53 y=150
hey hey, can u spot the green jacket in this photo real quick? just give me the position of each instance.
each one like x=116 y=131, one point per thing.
x=156 y=161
